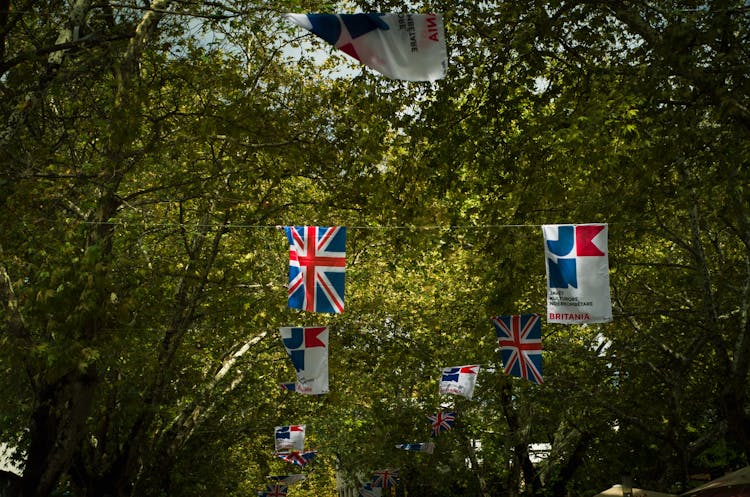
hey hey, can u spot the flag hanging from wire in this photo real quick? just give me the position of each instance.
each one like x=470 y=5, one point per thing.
x=403 y=46
x=317 y=264
x=367 y=490
x=286 y=479
x=290 y=437
x=308 y=350
x=428 y=447
x=459 y=380
x=276 y=490
x=385 y=478
x=297 y=457
x=441 y=421
x=577 y=273
x=520 y=341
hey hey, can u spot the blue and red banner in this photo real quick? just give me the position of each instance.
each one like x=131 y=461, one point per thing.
x=459 y=380
x=308 y=350
x=408 y=47
x=577 y=273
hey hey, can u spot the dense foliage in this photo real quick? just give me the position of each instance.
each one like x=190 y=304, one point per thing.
x=149 y=151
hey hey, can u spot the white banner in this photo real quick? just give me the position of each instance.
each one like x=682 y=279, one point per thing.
x=409 y=47
x=289 y=438
x=459 y=380
x=577 y=265
x=308 y=350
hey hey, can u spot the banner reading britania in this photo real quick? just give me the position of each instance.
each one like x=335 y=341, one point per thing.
x=410 y=47
x=577 y=273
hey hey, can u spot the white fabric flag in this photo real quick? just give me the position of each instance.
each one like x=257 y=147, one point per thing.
x=290 y=438
x=459 y=380
x=577 y=273
x=308 y=350
x=409 y=47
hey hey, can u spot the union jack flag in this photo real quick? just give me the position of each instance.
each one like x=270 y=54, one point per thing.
x=276 y=490
x=368 y=491
x=317 y=263
x=297 y=457
x=385 y=478
x=442 y=421
x=520 y=339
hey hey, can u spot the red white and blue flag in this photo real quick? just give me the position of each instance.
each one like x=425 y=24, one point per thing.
x=308 y=350
x=317 y=264
x=385 y=478
x=428 y=447
x=368 y=491
x=520 y=340
x=459 y=380
x=276 y=490
x=408 y=47
x=297 y=457
x=577 y=273
x=290 y=437
x=441 y=421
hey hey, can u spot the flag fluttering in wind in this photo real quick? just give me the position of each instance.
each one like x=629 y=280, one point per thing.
x=317 y=265
x=297 y=457
x=287 y=479
x=385 y=478
x=520 y=340
x=441 y=421
x=409 y=47
x=290 y=437
x=308 y=350
x=459 y=380
x=577 y=273
x=276 y=490
x=367 y=490
x=428 y=447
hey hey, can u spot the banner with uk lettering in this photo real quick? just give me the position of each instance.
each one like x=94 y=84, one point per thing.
x=308 y=350
x=409 y=47
x=577 y=264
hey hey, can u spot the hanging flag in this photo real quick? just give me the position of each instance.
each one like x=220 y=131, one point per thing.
x=287 y=479
x=409 y=47
x=317 y=262
x=459 y=380
x=520 y=340
x=577 y=273
x=428 y=447
x=385 y=478
x=276 y=490
x=441 y=421
x=297 y=457
x=290 y=437
x=308 y=350
x=368 y=491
